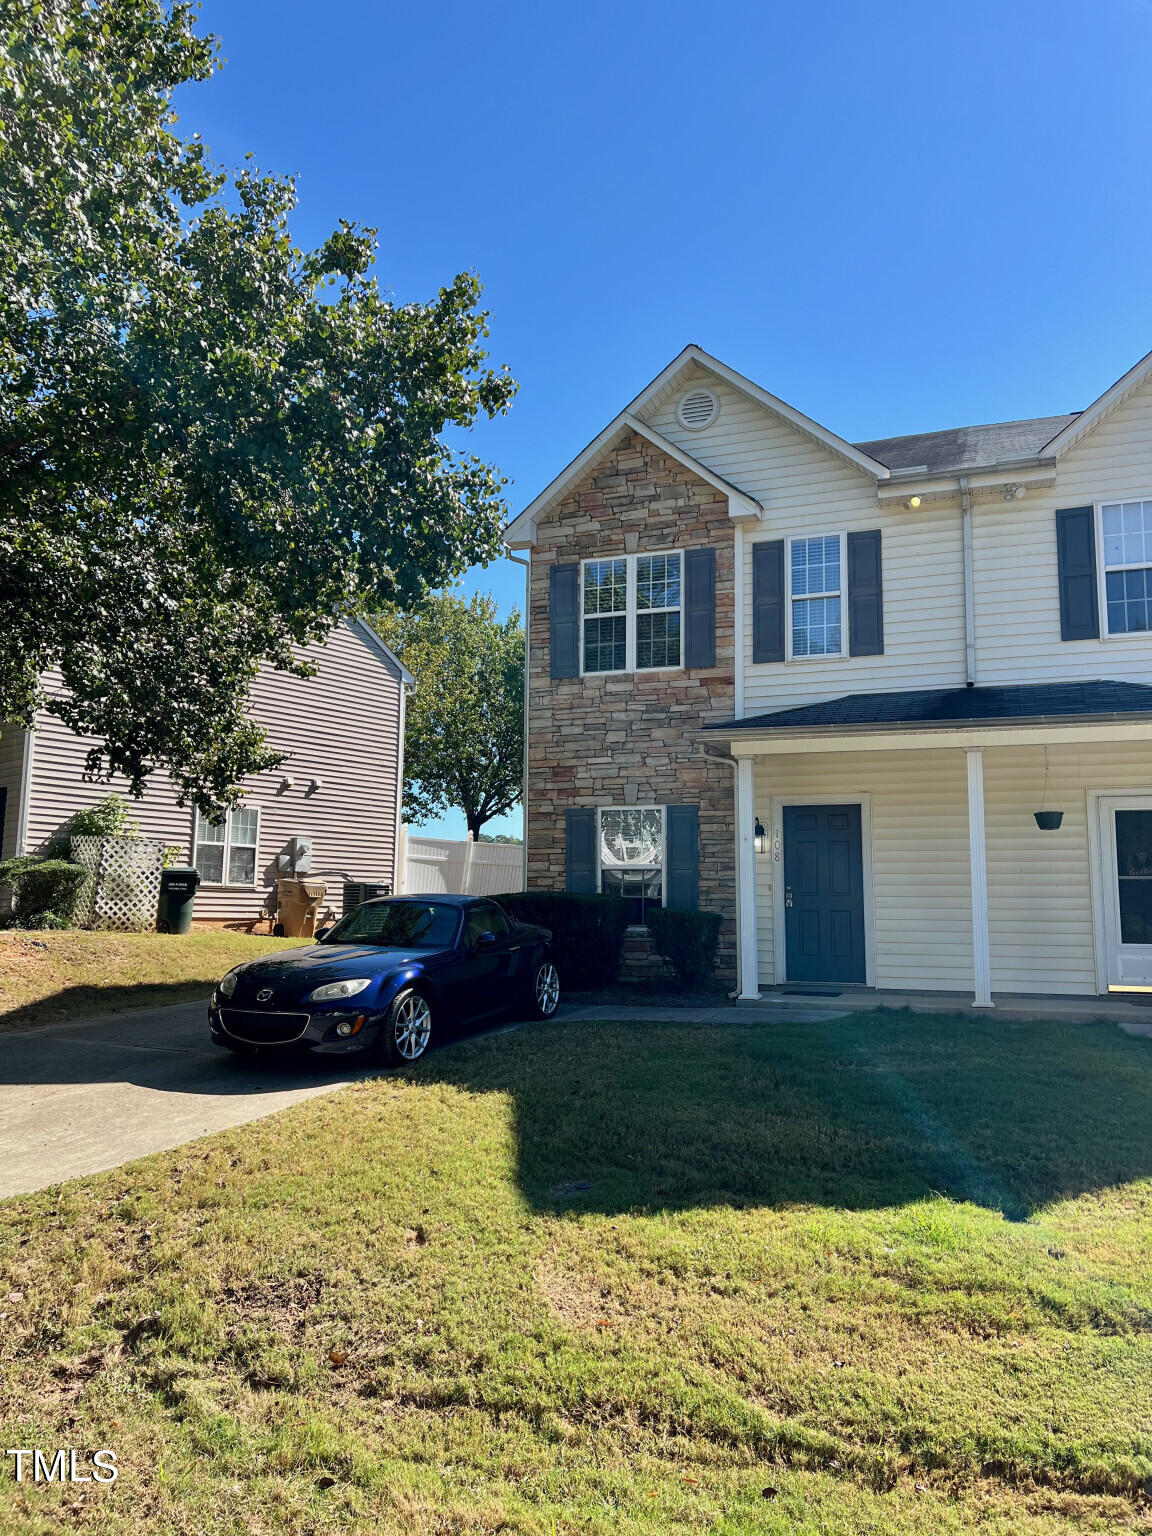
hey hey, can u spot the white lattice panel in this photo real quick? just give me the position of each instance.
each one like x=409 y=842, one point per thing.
x=125 y=881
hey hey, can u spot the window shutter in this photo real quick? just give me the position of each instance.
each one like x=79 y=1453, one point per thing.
x=1076 y=560
x=768 y=601
x=865 y=594
x=580 y=853
x=564 y=620
x=682 y=876
x=700 y=608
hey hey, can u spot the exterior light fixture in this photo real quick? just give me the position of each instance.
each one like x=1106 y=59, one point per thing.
x=914 y=502
x=761 y=837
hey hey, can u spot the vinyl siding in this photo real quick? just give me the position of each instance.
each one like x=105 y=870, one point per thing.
x=808 y=490
x=1039 y=883
x=340 y=726
x=921 y=890
x=11 y=779
x=1017 y=600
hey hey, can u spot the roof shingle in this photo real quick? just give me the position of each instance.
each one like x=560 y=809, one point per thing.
x=959 y=706
x=963 y=448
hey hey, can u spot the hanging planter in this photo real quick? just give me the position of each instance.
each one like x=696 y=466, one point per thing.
x=1048 y=821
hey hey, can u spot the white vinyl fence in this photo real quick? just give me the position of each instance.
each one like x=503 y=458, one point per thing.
x=438 y=866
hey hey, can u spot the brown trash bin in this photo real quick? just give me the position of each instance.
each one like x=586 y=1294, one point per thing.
x=299 y=901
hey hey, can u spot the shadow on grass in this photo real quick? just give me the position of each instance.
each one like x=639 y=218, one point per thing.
x=82 y=1004
x=863 y=1111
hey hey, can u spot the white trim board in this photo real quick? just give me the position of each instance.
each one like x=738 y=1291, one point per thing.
x=742 y=743
x=24 y=808
x=779 y=941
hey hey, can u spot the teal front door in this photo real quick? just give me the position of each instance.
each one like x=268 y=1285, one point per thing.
x=823 y=893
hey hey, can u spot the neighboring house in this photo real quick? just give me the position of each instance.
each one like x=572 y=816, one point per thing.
x=822 y=687
x=340 y=784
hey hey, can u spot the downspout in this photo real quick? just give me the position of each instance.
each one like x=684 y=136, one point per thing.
x=716 y=753
x=527 y=564
x=969 y=601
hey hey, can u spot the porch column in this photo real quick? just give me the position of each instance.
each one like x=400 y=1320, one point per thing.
x=747 y=958
x=981 y=961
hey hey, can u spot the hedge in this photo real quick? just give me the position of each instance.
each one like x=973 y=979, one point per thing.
x=687 y=940
x=47 y=891
x=587 y=933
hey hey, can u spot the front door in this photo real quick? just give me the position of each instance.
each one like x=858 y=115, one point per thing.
x=1126 y=840
x=823 y=893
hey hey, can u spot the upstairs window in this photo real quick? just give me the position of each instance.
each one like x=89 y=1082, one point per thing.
x=1126 y=528
x=815 y=569
x=226 y=854
x=657 y=611
x=632 y=613
x=606 y=615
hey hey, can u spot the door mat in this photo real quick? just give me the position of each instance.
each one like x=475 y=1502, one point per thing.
x=809 y=992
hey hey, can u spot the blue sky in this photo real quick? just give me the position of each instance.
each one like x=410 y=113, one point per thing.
x=895 y=216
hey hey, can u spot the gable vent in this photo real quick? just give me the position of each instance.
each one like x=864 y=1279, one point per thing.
x=697 y=409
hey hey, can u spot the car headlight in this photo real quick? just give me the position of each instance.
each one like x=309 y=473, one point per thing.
x=228 y=985
x=334 y=989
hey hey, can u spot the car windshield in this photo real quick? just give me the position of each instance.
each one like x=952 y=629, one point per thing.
x=398 y=925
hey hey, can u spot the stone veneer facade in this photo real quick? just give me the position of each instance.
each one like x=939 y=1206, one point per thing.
x=627 y=739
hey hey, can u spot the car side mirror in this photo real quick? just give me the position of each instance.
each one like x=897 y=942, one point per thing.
x=321 y=934
x=483 y=940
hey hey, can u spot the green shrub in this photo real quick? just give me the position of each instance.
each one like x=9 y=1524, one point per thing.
x=687 y=941
x=108 y=818
x=587 y=933
x=47 y=891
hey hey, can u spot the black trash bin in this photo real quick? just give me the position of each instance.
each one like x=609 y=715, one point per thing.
x=177 y=895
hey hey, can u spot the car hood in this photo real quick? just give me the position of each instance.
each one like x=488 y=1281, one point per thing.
x=313 y=964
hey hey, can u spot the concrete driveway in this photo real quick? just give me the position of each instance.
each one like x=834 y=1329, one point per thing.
x=79 y=1098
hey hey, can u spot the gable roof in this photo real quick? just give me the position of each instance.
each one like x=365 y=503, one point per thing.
x=521 y=531
x=954 y=450
x=964 y=448
x=1085 y=421
x=386 y=654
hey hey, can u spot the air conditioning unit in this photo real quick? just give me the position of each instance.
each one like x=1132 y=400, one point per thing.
x=357 y=892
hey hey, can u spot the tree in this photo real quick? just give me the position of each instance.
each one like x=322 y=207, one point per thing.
x=464 y=743
x=212 y=444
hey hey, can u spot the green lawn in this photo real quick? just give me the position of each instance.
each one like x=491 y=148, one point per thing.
x=887 y=1274
x=48 y=976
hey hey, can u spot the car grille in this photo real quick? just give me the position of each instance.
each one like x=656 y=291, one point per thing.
x=263 y=1028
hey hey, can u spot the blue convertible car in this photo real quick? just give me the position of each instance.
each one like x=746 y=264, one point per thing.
x=385 y=978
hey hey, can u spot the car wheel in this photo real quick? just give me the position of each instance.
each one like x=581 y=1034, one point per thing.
x=407 y=1030
x=545 y=996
